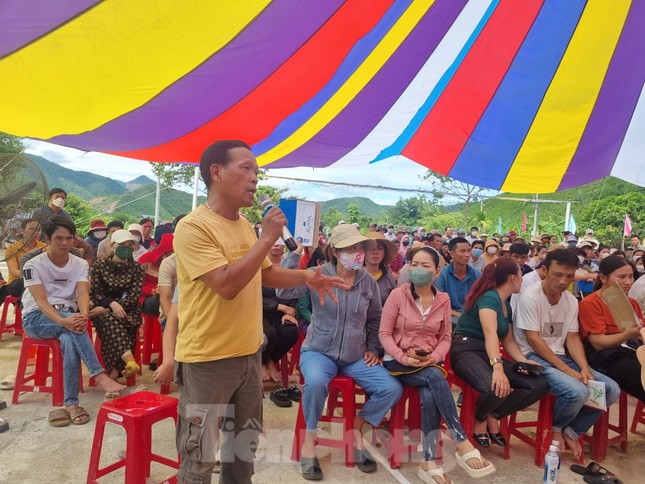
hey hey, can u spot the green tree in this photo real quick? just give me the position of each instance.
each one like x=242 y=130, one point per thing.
x=10 y=144
x=81 y=212
x=172 y=174
x=607 y=217
x=354 y=216
x=332 y=216
x=447 y=187
x=411 y=211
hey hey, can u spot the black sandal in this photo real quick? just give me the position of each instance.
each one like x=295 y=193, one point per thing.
x=310 y=468
x=594 y=473
x=482 y=439
x=280 y=398
x=294 y=393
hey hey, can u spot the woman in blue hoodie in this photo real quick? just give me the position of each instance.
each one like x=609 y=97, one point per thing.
x=343 y=340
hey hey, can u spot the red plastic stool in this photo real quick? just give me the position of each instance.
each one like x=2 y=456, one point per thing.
x=392 y=431
x=136 y=413
x=543 y=429
x=132 y=381
x=16 y=328
x=467 y=412
x=600 y=440
x=639 y=416
x=345 y=386
x=40 y=349
x=290 y=360
x=151 y=337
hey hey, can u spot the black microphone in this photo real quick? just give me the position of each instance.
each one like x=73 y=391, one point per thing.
x=266 y=204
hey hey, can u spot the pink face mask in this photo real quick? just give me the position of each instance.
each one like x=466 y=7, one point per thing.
x=352 y=261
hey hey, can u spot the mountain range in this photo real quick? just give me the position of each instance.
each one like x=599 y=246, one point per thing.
x=137 y=197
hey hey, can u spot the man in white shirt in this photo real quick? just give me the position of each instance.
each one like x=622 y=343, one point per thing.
x=57 y=305
x=547 y=333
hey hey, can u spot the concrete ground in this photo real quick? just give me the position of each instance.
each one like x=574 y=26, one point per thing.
x=34 y=452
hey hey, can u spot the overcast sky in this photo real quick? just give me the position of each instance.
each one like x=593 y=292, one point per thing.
x=396 y=172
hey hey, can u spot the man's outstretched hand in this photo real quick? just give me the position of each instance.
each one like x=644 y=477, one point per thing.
x=324 y=284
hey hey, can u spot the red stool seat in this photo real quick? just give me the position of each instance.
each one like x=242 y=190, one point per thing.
x=600 y=440
x=543 y=429
x=345 y=386
x=392 y=431
x=639 y=416
x=467 y=412
x=136 y=413
x=16 y=328
x=36 y=382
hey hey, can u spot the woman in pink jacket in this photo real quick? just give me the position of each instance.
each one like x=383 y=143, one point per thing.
x=415 y=332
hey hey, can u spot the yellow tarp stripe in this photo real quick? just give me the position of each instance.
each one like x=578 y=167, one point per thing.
x=111 y=60
x=358 y=80
x=560 y=122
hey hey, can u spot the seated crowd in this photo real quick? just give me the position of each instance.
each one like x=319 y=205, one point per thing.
x=419 y=304
x=62 y=285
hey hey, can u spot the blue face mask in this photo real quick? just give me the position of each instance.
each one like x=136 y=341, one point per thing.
x=477 y=252
x=421 y=277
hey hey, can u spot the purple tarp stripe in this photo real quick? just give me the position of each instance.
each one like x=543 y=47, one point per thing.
x=216 y=85
x=350 y=127
x=612 y=113
x=23 y=21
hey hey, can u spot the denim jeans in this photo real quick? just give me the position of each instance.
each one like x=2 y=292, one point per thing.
x=436 y=402
x=74 y=346
x=318 y=370
x=470 y=362
x=569 y=413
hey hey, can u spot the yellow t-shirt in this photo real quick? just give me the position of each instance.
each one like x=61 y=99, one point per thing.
x=17 y=250
x=210 y=327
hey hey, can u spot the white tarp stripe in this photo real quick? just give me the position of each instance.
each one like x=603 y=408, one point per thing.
x=404 y=109
x=630 y=162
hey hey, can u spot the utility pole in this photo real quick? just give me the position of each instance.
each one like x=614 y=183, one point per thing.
x=157 y=200
x=534 y=233
x=195 y=186
x=537 y=201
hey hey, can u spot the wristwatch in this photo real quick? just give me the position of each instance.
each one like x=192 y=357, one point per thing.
x=494 y=361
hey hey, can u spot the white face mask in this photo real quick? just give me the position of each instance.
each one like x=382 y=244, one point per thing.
x=137 y=239
x=58 y=202
x=604 y=254
x=581 y=259
x=491 y=250
x=640 y=269
x=100 y=234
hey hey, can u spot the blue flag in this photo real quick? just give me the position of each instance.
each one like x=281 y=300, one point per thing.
x=572 y=225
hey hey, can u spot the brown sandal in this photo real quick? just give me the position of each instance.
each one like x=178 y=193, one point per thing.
x=59 y=418
x=79 y=416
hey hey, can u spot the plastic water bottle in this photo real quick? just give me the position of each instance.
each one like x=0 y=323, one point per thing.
x=556 y=444
x=551 y=465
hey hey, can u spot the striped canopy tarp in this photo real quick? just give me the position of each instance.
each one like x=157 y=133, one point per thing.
x=514 y=95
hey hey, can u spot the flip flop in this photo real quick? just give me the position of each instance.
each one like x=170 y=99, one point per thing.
x=462 y=460
x=59 y=418
x=77 y=412
x=111 y=396
x=595 y=473
x=8 y=383
x=429 y=476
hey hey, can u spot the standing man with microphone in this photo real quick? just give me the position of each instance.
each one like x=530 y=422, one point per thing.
x=221 y=269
